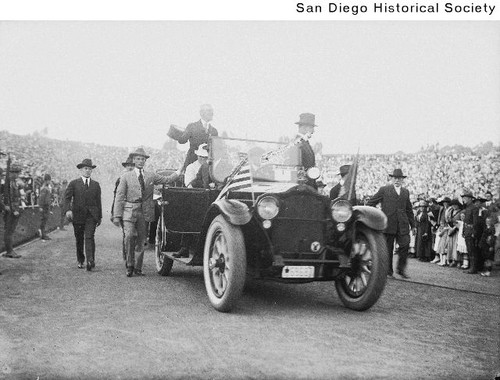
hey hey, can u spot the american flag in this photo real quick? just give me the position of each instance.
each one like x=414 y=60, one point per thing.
x=240 y=178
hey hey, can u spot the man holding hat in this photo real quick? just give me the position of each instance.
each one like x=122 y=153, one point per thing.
x=11 y=206
x=196 y=133
x=395 y=201
x=471 y=229
x=44 y=201
x=335 y=191
x=193 y=168
x=128 y=165
x=134 y=208
x=83 y=207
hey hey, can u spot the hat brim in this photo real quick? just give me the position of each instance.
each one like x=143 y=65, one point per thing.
x=79 y=166
x=310 y=125
x=139 y=154
x=397 y=176
x=468 y=195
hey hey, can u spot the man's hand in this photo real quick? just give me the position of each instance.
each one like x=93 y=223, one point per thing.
x=7 y=209
x=16 y=213
x=69 y=215
x=98 y=223
x=116 y=222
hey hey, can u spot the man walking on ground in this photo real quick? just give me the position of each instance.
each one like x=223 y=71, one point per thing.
x=134 y=208
x=395 y=201
x=11 y=207
x=83 y=207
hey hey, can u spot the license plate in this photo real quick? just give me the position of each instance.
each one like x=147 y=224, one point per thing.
x=297 y=272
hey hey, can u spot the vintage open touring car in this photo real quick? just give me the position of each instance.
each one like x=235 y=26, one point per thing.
x=261 y=220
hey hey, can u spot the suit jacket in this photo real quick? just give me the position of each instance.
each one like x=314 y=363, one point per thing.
x=130 y=200
x=196 y=134
x=396 y=207
x=82 y=201
x=335 y=191
x=307 y=155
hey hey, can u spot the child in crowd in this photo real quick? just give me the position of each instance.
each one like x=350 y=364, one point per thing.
x=487 y=246
x=442 y=240
x=461 y=246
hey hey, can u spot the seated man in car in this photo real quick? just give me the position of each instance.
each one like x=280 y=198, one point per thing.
x=193 y=168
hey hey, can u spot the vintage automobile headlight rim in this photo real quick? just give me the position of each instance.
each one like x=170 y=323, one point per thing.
x=268 y=207
x=313 y=173
x=341 y=211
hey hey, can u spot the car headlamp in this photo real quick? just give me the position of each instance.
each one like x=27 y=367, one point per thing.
x=268 y=207
x=313 y=173
x=341 y=211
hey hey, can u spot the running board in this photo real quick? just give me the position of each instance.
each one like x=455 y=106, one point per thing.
x=185 y=260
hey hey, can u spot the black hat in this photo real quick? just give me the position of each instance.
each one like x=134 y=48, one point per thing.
x=47 y=177
x=344 y=169
x=397 y=173
x=15 y=168
x=87 y=162
x=455 y=202
x=445 y=199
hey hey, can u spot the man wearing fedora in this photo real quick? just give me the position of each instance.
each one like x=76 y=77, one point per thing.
x=471 y=230
x=82 y=205
x=335 y=191
x=395 y=202
x=128 y=165
x=134 y=208
x=11 y=207
x=196 y=133
x=44 y=201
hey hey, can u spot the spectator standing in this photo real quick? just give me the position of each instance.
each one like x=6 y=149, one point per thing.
x=462 y=253
x=471 y=228
x=452 y=216
x=11 y=208
x=395 y=201
x=423 y=240
x=60 y=194
x=83 y=207
x=134 y=208
x=487 y=246
x=44 y=201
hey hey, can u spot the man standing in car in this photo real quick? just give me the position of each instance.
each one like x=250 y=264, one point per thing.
x=395 y=201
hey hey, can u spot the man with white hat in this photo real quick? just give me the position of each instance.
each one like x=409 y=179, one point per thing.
x=134 y=208
x=193 y=168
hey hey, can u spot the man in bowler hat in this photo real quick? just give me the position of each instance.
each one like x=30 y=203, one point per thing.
x=306 y=126
x=82 y=205
x=134 y=208
x=395 y=201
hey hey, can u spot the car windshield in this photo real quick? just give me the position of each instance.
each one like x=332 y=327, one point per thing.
x=267 y=160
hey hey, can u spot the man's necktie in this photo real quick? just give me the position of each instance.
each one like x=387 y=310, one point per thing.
x=86 y=183
x=141 y=181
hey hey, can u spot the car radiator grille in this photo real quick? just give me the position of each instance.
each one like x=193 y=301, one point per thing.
x=299 y=224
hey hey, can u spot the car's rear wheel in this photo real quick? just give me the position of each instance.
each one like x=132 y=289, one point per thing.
x=163 y=263
x=361 y=286
x=224 y=264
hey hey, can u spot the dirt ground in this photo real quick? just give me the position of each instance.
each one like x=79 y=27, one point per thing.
x=60 y=322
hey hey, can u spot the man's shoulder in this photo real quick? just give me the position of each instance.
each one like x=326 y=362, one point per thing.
x=194 y=124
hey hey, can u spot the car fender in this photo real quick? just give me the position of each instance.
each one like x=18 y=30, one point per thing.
x=371 y=217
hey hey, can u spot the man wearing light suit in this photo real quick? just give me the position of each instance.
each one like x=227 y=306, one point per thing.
x=83 y=207
x=134 y=208
x=396 y=205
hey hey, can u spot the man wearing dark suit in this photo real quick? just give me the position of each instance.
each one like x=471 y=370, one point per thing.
x=134 y=208
x=196 y=133
x=306 y=130
x=471 y=230
x=335 y=191
x=83 y=207
x=396 y=205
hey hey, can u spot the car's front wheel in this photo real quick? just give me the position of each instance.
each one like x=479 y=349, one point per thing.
x=163 y=263
x=361 y=286
x=224 y=264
